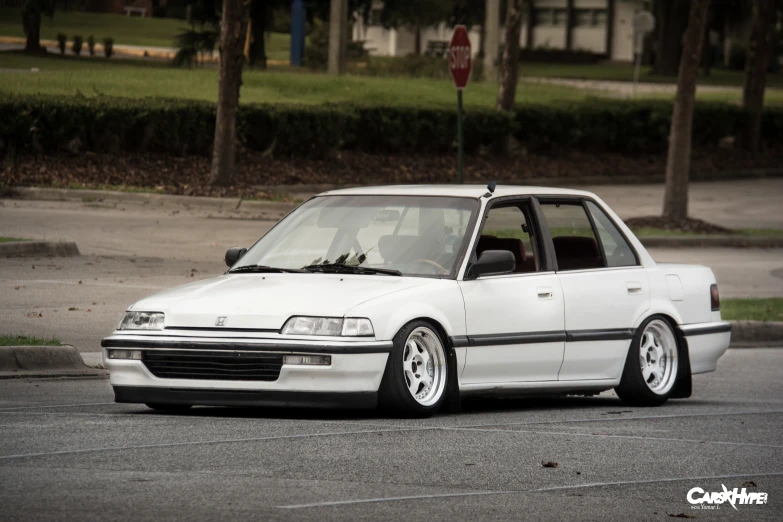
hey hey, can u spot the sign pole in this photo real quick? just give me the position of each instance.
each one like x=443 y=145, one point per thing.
x=459 y=66
x=460 y=144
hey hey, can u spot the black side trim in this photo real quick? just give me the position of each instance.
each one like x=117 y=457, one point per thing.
x=354 y=348
x=221 y=329
x=459 y=341
x=154 y=395
x=706 y=330
x=616 y=334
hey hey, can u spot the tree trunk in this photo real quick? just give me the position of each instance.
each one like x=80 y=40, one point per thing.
x=490 y=37
x=259 y=21
x=31 y=23
x=337 y=40
x=232 y=39
x=509 y=62
x=671 y=18
x=756 y=71
x=417 y=39
x=678 y=161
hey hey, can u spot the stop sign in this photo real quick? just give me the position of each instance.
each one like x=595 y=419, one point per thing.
x=459 y=56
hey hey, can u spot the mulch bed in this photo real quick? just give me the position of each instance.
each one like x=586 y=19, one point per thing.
x=190 y=175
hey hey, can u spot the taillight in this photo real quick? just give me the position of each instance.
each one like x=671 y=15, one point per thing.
x=714 y=298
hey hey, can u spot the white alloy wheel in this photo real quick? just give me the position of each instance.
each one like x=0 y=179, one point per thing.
x=424 y=366
x=658 y=357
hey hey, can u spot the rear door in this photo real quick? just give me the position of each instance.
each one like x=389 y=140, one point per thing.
x=515 y=321
x=605 y=289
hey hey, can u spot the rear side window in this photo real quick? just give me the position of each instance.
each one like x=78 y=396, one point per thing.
x=576 y=246
x=618 y=251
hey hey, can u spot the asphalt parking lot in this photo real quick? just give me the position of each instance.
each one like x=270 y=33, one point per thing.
x=67 y=451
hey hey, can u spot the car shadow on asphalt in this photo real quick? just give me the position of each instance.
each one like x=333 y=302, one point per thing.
x=473 y=406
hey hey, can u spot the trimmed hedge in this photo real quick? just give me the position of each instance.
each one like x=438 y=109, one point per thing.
x=44 y=124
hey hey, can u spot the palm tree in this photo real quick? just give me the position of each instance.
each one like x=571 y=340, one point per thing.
x=678 y=161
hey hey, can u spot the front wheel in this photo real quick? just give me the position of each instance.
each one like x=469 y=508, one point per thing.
x=651 y=366
x=414 y=384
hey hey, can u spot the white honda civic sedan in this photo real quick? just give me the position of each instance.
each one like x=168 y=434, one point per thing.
x=412 y=296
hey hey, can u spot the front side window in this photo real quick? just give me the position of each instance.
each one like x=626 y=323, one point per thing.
x=576 y=245
x=507 y=228
x=415 y=235
x=618 y=251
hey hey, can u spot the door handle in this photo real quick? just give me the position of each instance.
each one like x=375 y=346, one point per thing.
x=544 y=292
x=634 y=287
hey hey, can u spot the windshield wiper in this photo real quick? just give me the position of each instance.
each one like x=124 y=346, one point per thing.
x=263 y=269
x=351 y=269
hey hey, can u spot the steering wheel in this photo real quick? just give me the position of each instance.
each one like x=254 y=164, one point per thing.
x=432 y=263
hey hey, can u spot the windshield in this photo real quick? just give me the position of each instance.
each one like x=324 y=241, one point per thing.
x=414 y=235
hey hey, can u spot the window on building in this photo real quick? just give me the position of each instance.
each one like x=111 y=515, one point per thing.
x=590 y=17
x=551 y=17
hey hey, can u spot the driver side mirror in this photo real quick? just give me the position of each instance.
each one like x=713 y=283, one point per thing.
x=234 y=254
x=493 y=262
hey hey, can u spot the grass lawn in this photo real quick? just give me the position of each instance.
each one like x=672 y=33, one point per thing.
x=12 y=239
x=23 y=340
x=770 y=309
x=146 y=32
x=70 y=75
x=624 y=72
x=139 y=79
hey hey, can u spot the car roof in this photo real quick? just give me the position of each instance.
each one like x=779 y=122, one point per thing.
x=471 y=191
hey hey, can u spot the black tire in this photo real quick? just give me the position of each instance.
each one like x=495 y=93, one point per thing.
x=169 y=408
x=394 y=395
x=633 y=389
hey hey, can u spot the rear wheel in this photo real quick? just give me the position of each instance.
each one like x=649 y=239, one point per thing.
x=416 y=376
x=651 y=366
x=169 y=408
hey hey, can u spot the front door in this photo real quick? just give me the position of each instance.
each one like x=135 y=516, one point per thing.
x=515 y=322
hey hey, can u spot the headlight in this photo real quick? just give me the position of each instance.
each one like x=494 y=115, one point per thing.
x=142 y=321
x=332 y=326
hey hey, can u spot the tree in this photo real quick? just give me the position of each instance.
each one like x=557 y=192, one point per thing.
x=32 y=13
x=232 y=38
x=756 y=70
x=671 y=17
x=509 y=61
x=678 y=161
x=338 y=34
x=261 y=19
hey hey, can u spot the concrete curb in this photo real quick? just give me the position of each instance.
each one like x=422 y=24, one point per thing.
x=38 y=358
x=712 y=241
x=263 y=209
x=39 y=249
x=756 y=334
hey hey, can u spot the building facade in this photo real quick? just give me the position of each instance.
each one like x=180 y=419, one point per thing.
x=602 y=27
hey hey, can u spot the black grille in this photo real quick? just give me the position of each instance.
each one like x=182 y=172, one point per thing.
x=216 y=366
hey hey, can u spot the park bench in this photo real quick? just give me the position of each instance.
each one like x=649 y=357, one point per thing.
x=438 y=48
x=131 y=10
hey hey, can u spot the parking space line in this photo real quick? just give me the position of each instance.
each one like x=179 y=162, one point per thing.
x=396 y=499
x=54 y=406
x=205 y=442
x=537 y=490
x=611 y=436
x=620 y=418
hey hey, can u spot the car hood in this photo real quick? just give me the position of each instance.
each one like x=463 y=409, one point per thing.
x=266 y=301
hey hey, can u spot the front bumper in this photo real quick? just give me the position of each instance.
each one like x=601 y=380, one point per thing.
x=352 y=378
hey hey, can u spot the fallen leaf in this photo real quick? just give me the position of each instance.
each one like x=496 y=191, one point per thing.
x=749 y=484
x=34 y=314
x=617 y=412
x=680 y=515
x=73 y=309
x=549 y=464
x=88 y=310
x=80 y=281
x=94 y=303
